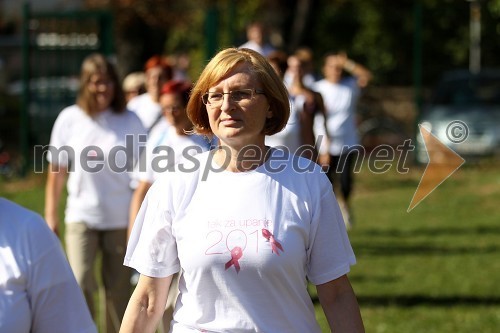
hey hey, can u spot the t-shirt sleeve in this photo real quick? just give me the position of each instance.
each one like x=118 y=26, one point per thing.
x=57 y=303
x=152 y=249
x=330 y=253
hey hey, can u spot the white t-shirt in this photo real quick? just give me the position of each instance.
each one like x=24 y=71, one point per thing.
x=265 y=49
x=38 y=291
x=105 y=150
x=147 y=109
x=308 y=79
x=245 y=243
x=340 y=101
x=166 y=149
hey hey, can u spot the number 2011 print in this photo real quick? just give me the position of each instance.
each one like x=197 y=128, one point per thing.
x=234 y=238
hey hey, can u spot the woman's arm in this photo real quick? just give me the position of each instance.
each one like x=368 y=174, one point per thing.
x=56 y=179
x=135 y=203
x=359 y=71
x=146 y=305
x=340 y=306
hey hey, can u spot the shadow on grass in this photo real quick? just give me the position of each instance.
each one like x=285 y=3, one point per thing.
x=430 y=231
x=396 y=182
x=421 y=249
x=424 y=300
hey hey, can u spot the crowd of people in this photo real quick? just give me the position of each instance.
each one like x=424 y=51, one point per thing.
x=172 y=184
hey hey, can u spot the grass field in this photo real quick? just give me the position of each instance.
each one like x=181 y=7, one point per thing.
x=434 y=269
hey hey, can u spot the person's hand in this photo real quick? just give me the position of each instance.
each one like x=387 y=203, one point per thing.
x=343 y=59
x=324 y=161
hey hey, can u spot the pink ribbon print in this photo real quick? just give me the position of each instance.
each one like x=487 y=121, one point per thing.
x=275 y=245
x=236 y=254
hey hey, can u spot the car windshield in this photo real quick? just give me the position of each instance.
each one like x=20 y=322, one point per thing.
x=469 y=91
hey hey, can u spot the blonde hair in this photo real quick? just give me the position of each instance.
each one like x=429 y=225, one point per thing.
x=97 y=63
x=134 y=81
x=220 y=65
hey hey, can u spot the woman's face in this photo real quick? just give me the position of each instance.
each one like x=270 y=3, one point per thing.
x=295 y=67
x=241 y=123
x=333 y=69
x=155 y=79
x=103 y=89
x=174 y=111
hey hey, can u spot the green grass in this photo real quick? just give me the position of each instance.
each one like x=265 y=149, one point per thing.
x=434 y=269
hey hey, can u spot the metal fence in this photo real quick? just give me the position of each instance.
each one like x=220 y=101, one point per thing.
x=54 y=45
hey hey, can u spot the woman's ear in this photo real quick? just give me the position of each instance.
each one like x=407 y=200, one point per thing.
x=269 y=113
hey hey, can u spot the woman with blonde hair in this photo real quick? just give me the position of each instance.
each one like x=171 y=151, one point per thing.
x=93 y=147
x=245 y=224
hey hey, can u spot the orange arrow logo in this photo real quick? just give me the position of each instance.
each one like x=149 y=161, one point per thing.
x=443 y=162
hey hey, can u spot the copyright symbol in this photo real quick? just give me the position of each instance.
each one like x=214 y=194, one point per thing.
x=457 y=131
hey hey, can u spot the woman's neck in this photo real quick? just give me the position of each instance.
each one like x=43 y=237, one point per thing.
x=241 y=159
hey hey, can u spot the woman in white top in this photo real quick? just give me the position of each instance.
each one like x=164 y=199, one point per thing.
x=147 y=105
x=38 y=292
x=340 y=95
x=246 y=225
x=95 y=142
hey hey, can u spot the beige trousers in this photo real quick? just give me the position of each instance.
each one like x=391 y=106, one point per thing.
x=82 y=247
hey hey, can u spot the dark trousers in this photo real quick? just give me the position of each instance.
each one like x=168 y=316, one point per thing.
x=342 y=168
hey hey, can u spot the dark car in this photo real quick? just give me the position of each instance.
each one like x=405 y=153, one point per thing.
x=464 y=114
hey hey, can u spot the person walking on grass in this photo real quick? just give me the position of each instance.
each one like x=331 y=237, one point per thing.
x=93 y=146
x=244 y=226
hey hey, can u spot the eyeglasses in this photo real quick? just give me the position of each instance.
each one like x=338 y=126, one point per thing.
x=240 y=96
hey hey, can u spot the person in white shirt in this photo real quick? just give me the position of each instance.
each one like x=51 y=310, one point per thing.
x=305 y=56
x=93 y=147
x=134 y=84
x=164 y=150
x=256 y=39
x=340 y=95
x=38 y=291
x=307 y=103
x=289 y=138
x=158 y=71
x=298 y=135
x=245 y=225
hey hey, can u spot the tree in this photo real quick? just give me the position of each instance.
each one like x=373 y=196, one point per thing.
x=378 y=33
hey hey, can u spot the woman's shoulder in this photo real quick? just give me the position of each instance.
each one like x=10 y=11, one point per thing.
x=70 y=116
x=186 y=171
x=177 y=185
x=300 y=175
x=71 y=111
x=22 y=223
x=282 y=160
x=131 y=119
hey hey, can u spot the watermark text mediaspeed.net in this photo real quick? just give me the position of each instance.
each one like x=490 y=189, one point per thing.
x=130 y=157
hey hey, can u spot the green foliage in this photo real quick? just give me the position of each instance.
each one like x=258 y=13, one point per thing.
x=378 y=33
